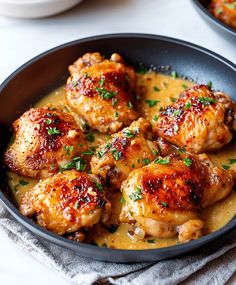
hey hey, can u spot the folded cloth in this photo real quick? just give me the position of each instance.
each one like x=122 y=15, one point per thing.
x=203 y=268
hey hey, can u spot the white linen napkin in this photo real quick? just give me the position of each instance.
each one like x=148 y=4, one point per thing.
x=207 y=267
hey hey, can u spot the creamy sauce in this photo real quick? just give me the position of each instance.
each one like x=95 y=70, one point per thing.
x=164 y=89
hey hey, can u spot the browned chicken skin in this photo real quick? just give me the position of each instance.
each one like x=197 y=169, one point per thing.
x=166 y=195
x=127 y=150
x=101 y=91
x=45 y=139
x=67 y=202
x=225 y=11
x=200 y=120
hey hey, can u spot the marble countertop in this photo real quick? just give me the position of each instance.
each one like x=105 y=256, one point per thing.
x=20 y=40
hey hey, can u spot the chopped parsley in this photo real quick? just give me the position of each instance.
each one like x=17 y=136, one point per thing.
x=100 y=153
x=176 y=112
x=155 y=118
x=105 y=94
x=219 y=10
x=87 y=75
x=232 y=161
x=142 y=69
x=74 y=83
x=77 y=205
x=162 y=160
x=116 y=114
x=116 y=154
x=90 y=151
x=128 y=134
x=164 y=204
x=155 y=88
x=188 y=105
x=209 y=84
x=78 y=163
x=231 y=5
x=130 y=105
x=23 y=182
x=122 y=200
x=172 y=99
x=154 y=151
x=99 y=186
x=68 y=149
x=185 y=86
x=225 y=167
x=146 y=161
x=137 y=195
x=206 y=100
x=188 y=161
x=152 y=103
x=174 y=74
x=102 y=81
x=90 y=137
x=151 y=240
x=48 y=121
x=53 y=131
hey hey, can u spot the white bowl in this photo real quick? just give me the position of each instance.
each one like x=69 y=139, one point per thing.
x=35 y=8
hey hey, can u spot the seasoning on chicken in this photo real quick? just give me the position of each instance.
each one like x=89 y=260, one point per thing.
x=166 y=196
x=101 y=91
x=45 y=139
x=200 y=120
x=67 y=202
x=127 y=150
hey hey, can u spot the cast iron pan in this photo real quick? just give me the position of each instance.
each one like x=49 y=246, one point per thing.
x=219 y=26
x=47 y=71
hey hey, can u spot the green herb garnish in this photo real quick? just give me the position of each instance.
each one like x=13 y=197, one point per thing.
x=90 y=137
x=102 y=81
x=155 y=118
x=188 y=105
x=116 y=154
x=164 y=204
x=188 y=161
x=105 y=94
x=155 y=88
x=122 y=200
x=206 y=100
x=162 y=160
x=232 y=160
x=225 y=167
x=174 y=74
x=152 y=103
x=146 y=161
x=68 y=149
x=137 y=195
x=130 y=105
x=53 y=131
x=128 y=134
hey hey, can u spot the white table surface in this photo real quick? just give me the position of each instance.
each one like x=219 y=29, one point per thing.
x=20 y=40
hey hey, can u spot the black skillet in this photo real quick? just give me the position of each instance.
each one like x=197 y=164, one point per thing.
x=48 y=71
x=219 y=26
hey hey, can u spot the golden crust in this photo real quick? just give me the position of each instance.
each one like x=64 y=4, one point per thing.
x=101 y=91
x=45 y=138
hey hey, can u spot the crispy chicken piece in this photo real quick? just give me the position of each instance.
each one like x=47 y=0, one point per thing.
x=101 y=91
x=225 y=11
x=200 y=120
x=67 y=202
x=45 y=139
x=127 y=150
x=167 y=196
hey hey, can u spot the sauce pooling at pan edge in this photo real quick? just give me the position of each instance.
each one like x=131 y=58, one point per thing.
x=154 y=92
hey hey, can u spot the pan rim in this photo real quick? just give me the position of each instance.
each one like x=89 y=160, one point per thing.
x=72 y=245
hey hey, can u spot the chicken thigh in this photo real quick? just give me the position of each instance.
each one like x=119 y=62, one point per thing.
x=127 y=150
x=167 y=196
x=225 y=11
x=200 y=120
x=67 y=202
x=45 y=139
x=101 y=91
